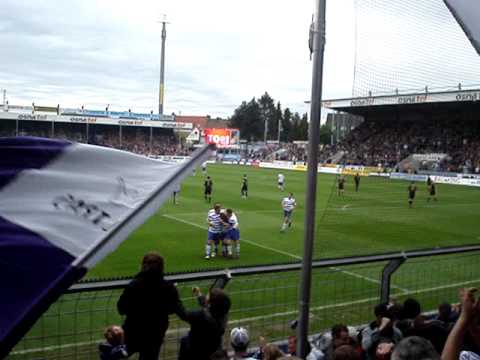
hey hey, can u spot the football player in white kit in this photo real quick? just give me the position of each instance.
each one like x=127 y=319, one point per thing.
x=288 y=205
x=281 y=182
x=232 y=236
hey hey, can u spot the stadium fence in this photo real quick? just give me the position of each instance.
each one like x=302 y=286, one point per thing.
x=264 y=299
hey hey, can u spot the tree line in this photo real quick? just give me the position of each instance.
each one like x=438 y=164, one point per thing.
x=251 y=118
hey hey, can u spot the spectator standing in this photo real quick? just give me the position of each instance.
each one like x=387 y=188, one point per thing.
x=146 y=302
x=207 y=327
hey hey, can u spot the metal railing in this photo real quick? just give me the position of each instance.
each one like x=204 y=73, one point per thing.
x=264 y=299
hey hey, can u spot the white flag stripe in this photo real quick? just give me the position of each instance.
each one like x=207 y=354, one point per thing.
x=79 y=198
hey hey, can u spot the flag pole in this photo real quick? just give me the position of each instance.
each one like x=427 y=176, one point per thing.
x=311 y=194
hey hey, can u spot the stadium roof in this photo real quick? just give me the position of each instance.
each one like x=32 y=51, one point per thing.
x=364 y=105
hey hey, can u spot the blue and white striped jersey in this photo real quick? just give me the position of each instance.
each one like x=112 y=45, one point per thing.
x=214 y=222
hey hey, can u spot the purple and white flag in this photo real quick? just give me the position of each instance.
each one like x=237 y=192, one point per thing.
x=467 y=14
x=63 y=207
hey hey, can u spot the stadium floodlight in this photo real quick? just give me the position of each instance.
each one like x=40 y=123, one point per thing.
x=161 y=91
x=318 y=46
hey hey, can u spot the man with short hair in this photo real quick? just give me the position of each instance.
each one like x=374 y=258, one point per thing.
x=432 y=191
x=146 y=302
x=208 y=187
x=215 y=229
x=288 y=205
x=207 y=327
x=356 y=178
x=244 y=190
x=232 y=235
x=412 y=189
x=281 y=182
x=415 y=347
x=381 y=329
x=341 y=185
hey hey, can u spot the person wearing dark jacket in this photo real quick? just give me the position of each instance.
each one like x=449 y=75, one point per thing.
x=146 y=302
x=207 y=326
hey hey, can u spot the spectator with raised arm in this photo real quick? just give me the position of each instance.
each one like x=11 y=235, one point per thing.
x=467 y=326
x=207 y=326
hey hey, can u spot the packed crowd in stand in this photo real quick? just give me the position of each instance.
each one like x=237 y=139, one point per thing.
x=388 y=142
x=372 y=143
x=161 y=145
x=136 y=142
x=398 y=331
x=282 y=151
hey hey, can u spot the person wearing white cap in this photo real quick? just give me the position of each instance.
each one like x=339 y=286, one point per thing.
x=239 y=339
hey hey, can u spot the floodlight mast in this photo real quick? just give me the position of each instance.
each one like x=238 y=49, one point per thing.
x=311 y=195
x=162 y=67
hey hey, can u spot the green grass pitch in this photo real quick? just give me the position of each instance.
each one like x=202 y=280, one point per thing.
x=376 y=219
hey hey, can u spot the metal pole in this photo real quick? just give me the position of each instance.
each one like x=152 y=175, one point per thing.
x=311 y=195
x=265 y=130
x=120 y=135
x=162 y=70
x=151 y=140
x=279 y=129
x=331 y=132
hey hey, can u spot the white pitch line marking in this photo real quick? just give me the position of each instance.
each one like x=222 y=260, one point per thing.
x=254 y=318
x=366 y=278
x=346 y=272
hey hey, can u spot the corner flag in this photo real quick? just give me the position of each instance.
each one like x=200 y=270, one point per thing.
x=64 y=207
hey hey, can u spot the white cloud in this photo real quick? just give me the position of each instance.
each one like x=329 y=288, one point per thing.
x=218 y=53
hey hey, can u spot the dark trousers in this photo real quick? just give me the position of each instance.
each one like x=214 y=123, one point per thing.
x=147 y=349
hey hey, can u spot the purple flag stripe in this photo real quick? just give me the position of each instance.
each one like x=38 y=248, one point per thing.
x=23 y=153
x=30 y=267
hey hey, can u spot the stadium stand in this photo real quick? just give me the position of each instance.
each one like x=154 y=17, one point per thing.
x=136 y=140
x=386 y=143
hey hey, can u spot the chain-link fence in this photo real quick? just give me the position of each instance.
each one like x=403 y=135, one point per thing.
x=264 y=299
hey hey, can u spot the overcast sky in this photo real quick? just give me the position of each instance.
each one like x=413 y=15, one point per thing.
x=219 y=53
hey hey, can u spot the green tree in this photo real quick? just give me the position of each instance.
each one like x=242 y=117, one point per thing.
x=303 y=128
x=295 y=133
x=247 y=118
x=267 y=113
x=325 y=134
x=286 y=125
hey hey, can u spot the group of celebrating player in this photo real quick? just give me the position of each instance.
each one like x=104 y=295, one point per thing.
x=223 y=228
